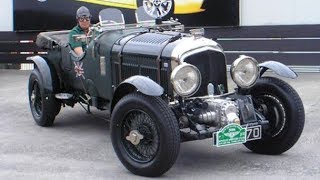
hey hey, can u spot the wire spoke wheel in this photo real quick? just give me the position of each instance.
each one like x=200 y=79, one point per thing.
x=36 y=100
x=145 y=134
x=148 y=146
x=273 y=109
x=43 y=107
x=281 y=105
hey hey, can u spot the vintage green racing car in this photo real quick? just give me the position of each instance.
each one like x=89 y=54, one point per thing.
x=163 y=87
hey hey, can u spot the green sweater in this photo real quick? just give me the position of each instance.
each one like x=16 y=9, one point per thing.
x=76 y=30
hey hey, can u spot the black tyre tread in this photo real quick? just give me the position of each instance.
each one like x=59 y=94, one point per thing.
x=296 y=98
x=48 y=122
x=173 y=145
x=56 y=89
x=280 y=145
x=47 y=119
x=173 y=128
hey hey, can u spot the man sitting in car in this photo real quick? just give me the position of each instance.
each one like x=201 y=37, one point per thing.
x=83 y=18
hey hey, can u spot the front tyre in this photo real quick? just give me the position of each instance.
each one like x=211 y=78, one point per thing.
x=145 y=134
x=43 y=108
x=282 y=106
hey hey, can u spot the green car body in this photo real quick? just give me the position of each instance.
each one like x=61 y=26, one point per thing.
x=162 y=87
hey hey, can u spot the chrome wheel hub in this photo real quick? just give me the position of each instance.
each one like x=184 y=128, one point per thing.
x=33 y=97
x=134 y=137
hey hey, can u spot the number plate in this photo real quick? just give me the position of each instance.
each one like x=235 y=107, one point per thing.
x=235 y=134
x=253 y=133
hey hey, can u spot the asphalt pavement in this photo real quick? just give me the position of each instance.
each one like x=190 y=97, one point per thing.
x=78 y=146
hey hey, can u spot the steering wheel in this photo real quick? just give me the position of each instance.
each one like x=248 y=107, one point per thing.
x=106 y=22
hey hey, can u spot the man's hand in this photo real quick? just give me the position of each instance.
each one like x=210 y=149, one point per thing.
x=79 y=51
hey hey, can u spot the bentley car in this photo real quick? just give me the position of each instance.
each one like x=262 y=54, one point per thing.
x=164 y=86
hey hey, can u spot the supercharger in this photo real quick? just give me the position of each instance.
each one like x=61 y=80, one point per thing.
x=218 y=112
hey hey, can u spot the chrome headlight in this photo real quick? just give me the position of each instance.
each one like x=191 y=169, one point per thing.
x=245 y=71
x=186 y=79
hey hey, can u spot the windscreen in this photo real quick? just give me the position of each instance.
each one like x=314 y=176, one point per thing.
x=142 y=16
x=111 y=16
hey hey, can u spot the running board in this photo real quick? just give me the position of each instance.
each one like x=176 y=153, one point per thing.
x=63 y=96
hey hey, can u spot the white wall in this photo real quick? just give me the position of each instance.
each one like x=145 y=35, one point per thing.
x=6 y=15
x=279 y=12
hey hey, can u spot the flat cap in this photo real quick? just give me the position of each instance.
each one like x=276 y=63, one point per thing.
x=83 y=12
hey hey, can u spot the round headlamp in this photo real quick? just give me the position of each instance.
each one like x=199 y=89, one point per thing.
x=245 y=71
x=186 y=79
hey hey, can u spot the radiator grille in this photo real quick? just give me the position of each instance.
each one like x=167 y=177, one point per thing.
x=213 y=70
x=151 y=38
x=145 y=66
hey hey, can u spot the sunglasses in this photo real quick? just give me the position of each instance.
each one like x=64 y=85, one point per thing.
x=81 y=19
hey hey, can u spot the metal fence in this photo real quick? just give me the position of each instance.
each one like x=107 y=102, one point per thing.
x=297 y=46
x=16 y=47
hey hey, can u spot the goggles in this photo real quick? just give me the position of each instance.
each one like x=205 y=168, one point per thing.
x=81 y=19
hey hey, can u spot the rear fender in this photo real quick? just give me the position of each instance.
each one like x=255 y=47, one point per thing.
x=44 y=70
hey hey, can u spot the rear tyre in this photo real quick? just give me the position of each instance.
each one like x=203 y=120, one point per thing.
x=43 y=107
x=145 y=134
x=282 y=106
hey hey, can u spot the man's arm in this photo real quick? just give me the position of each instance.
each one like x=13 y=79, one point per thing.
x=78 y=50
x=76 y=46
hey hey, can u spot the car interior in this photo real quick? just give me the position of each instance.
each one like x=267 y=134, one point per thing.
x=109 y=19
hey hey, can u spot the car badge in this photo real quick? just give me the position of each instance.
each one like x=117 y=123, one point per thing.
x=197 y=33
x=78 y=69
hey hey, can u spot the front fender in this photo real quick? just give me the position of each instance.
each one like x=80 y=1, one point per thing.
x=145 y=85
x=44 y=70
x=279 y=68
x=141 y=83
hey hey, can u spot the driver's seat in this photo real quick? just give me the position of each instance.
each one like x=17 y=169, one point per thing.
x=116 y=17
